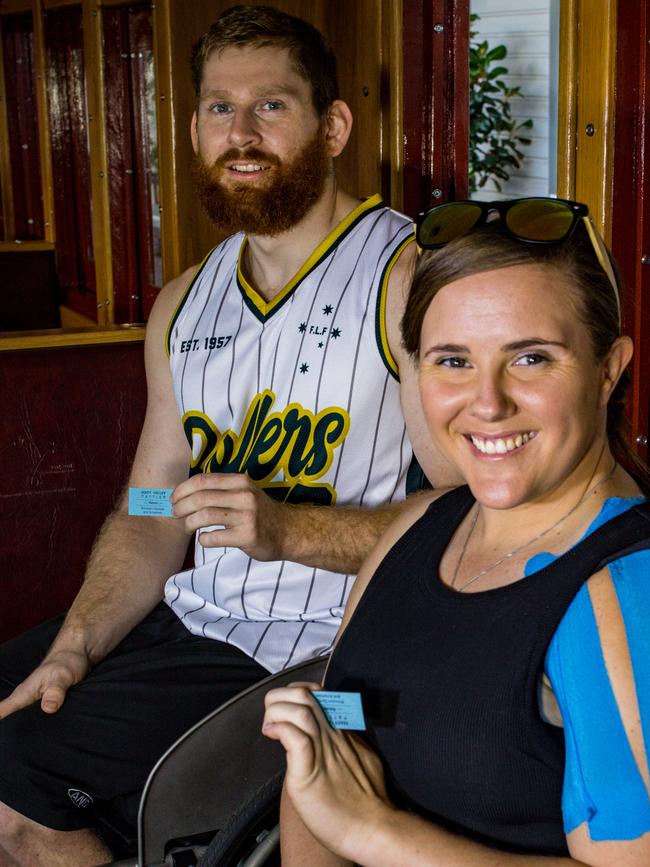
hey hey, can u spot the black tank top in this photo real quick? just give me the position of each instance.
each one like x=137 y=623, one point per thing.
x=450 y=680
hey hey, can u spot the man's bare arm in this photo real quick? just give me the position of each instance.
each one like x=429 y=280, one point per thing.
x=337 y=538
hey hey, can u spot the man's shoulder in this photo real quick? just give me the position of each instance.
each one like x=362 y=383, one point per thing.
x=172 y=292
x=176 y=288
x=394 y=217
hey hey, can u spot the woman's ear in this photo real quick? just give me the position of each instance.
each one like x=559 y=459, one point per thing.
x=338 y=125
x=194 y=134
x=614 y=363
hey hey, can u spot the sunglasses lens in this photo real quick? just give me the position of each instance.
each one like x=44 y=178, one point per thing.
x=447 y=222
x=539 y=220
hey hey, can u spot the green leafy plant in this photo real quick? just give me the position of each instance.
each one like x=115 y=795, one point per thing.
x=495 y=139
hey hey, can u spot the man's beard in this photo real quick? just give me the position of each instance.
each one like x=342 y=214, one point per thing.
x=269 y=209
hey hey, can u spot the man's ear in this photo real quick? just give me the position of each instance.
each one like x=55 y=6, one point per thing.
x=338 y=125
x=615 y=362
x=194 y=134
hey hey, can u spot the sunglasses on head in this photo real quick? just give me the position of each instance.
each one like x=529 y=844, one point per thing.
x=530 y=221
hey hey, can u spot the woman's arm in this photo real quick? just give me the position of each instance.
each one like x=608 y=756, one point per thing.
x=599 y=666
x=336 y=788
x=299 y=846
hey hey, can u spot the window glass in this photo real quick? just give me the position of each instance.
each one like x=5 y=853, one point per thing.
x=24 y=156
x=132 y=159
x=513 y=97
x=68 y=123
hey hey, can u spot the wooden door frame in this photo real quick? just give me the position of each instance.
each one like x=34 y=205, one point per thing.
x=435 y=102
x=630 y=207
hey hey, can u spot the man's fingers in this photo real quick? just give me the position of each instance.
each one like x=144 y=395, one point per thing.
x=47 y=684
x=210 y=482
x=21 y=697
x=53 y=698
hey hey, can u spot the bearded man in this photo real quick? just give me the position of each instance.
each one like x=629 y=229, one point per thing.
x=275 y=374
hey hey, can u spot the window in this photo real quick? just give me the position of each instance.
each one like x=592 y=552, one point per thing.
x=23 y=217
x=68 y=127
x=79 y=126
x=132 y=159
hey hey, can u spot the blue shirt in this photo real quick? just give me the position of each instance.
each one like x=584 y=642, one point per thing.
x=602 y=783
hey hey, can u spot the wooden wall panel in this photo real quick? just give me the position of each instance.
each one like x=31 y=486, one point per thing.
x=436 y=102
x=586 y=106
x=631 y=199
x=69 y=426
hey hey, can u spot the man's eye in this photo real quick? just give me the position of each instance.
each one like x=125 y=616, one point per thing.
x=272 y=105
x=220 y=108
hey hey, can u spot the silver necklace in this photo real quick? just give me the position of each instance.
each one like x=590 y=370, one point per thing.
x=590 y=490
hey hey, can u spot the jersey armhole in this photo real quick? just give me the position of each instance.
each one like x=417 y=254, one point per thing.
x=181 y=303
x=380 y=314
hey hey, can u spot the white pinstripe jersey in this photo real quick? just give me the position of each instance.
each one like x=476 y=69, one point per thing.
x=300 y=393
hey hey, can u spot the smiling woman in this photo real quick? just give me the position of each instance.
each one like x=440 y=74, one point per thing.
x=515 y=398
x=518 y=663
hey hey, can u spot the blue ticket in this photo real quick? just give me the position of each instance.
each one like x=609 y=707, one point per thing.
x=342 y=709
x=151 y=501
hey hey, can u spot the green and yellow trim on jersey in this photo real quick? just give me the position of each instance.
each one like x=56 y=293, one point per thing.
x=181 y=303
x=380 y=316
x=264 y=309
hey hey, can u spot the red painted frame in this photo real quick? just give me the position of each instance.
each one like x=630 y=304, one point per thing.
x=631 y=208
x=24 y=154
x=128 y=38
x=436 y=101
x=68 y=122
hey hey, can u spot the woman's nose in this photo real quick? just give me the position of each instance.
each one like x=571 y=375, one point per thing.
x=492 y=399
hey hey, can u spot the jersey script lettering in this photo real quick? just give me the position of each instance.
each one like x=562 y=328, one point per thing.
x=293 y=442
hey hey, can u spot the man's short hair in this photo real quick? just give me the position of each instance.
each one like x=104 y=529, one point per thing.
x=259 y=26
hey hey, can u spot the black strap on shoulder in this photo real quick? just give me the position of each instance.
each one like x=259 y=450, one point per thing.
x=624 y=534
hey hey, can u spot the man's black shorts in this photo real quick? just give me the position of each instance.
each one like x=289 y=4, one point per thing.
x=87 y=764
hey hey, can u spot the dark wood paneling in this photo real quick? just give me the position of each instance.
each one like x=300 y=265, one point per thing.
x=127 y=46
x=436 y=102
x=68 y=124
x=631 y=197
x=29 y=296
x=19 y=76
x=68 y=432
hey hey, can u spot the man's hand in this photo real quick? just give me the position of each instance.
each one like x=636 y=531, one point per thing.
x=48 y=683
x=235 y=513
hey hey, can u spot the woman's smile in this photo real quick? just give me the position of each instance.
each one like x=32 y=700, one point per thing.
x=500 y=445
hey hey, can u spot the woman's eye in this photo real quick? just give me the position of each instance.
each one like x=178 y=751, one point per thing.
x=530 y=358
x=452 y=361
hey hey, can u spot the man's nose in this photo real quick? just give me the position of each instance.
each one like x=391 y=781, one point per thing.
x=243 y=131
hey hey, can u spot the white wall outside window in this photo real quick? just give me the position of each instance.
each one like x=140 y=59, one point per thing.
x=530 y=31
